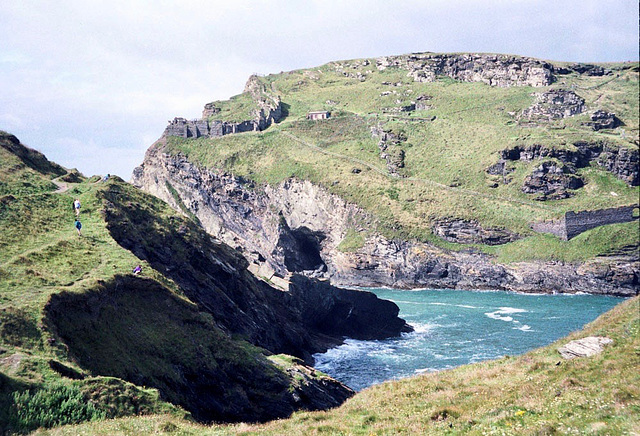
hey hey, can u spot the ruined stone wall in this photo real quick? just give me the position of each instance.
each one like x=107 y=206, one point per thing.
x=555 y=227
x=575 y=223
x=578 y=222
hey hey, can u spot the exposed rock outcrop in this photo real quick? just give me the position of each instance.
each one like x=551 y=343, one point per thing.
x=584 y=347
x=623 y=162
x=471 y=232
x=248 y=216
x=603 y=120
x=554 y=104
x=268 y=111
x=552 y=182
x=492 y=69
x=390 y=144
x=216 y=277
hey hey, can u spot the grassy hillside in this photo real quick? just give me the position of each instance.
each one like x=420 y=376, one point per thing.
x=536 y=393
x=84 y=339
x=447 y=147
x=41 y=255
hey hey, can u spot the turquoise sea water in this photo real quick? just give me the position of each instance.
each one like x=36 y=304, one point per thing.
x=454 y=328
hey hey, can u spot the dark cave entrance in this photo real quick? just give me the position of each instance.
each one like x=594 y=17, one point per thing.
x=301 y=249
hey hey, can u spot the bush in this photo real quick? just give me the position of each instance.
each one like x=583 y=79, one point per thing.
x=53 y=405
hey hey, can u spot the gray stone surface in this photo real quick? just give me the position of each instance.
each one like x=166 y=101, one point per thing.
x=589 y=346
x=494 y=70
x=471 y=232
x=554 y=104
x=622 y=161
x=552 y=181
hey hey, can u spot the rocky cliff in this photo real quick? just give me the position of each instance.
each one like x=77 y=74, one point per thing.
x=215 y=277
x=256 y=219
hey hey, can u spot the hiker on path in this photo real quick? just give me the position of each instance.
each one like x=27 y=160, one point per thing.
x=76 y=206
x=78 y=226
x=137 y=270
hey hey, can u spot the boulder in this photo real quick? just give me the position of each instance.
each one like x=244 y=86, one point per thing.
x=470 y=232
x=585 y=347
x=603 y=120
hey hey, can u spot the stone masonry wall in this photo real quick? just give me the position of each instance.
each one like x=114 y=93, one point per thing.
x=575 y=223
x=578 y=222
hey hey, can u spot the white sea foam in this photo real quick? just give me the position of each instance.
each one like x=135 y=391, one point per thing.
x=465 y=306
x=524 y=328
x=496 y=315
x=499 y=314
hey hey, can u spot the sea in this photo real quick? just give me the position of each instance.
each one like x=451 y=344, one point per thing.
x=454 y=327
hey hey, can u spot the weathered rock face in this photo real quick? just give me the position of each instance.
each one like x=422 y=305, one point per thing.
x=471 y=232
x=621 y=161
x=268 y=111
x=390 y=144
x=215 y=277
x=494 y=70
x=552 y=182
x=249 y=217
x=584 y=347
x=554 y=104
x=603 y=120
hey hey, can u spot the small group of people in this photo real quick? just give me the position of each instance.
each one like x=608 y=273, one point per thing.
x=76 y=208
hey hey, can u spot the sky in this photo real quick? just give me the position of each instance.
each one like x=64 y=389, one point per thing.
x=92 y=84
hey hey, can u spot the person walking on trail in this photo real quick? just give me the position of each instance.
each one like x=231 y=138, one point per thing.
x=78 y=226
x=137 y=270
x=76 y=206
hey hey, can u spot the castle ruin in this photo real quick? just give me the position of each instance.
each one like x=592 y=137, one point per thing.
x=575 y=223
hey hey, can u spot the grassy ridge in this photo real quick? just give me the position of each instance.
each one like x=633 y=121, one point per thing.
x=445 y=157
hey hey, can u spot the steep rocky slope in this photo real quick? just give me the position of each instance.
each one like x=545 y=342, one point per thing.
x=432 y=170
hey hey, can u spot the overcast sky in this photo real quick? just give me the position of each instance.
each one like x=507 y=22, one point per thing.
x=92 y=84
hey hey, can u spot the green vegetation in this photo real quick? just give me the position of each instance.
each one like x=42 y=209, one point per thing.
x=352 y=241
x=446 y=157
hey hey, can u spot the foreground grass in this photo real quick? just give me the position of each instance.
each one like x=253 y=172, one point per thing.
x=536 y=393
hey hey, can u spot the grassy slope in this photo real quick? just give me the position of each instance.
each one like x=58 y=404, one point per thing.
x=536 y=393
x=41 y=255
x=445 y=158
x=56 y=285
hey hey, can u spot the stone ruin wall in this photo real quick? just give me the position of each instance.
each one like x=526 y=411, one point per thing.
x=578 y=222
x=575 y=223
x=555 y=227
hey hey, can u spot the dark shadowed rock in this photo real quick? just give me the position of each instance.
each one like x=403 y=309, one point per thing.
x=552 y=182
x=471 y=232
x=603 y=120
x=216 y=277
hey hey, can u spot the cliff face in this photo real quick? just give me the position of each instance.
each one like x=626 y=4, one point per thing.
x=215 y=277
x=262 y=222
